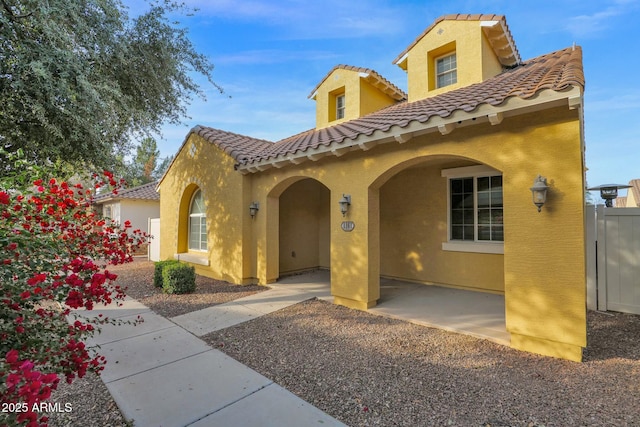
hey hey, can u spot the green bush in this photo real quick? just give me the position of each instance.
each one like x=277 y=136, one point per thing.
x=179 y=279
x=159 y=268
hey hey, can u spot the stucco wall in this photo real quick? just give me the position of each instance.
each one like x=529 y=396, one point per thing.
x=413 y=226
x=473 y=63
x=304 y=227
x=139 y=212
x=360 y=97
x=227 y=200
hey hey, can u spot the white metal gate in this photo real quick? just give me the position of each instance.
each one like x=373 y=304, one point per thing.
x=154 y=243
x=616 y=234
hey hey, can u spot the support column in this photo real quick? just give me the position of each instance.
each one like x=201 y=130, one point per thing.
x=267 y=241
x=355 y=254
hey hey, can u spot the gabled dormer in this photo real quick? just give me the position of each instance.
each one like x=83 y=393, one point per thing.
x=457 y=51
x=347 y=93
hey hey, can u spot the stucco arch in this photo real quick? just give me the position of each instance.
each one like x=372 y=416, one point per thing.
x=297 y=225
x=286 y=182
x=384 y=175
x=411 y=198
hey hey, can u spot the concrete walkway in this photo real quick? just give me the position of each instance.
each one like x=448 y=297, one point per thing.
x=161 y=374
x=286 y=292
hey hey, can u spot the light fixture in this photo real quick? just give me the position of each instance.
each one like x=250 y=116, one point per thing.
x=344 y=203
x=254 y=207
x=539 y=191
x=609 y=192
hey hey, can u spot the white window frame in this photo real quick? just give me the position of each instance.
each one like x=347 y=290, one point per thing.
x=340 y=106
x=202 y=216
x=478 y=246
x=453 y=71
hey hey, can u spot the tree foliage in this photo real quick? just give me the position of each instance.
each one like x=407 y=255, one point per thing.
x=141 y=169
x=80 y=79
x=146 y=164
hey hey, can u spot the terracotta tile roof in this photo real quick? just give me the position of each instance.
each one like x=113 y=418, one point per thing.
x=557 y=71
x=142 y=192
x=371 y=75
x=511 y=58
x=621 y=202
x=240 y=147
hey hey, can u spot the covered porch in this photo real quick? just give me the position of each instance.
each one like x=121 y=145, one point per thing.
x=479 y=314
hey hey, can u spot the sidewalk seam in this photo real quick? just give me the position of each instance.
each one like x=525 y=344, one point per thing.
x=136 y=336
x=230 y=404
x=159 y=366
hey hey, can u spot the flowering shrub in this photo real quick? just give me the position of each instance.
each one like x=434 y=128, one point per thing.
x=54 y=253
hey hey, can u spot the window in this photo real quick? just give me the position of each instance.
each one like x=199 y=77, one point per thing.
x=340 y=107
x=475 y=208
x=446 y=71
x=197 y=223
x=112 y=211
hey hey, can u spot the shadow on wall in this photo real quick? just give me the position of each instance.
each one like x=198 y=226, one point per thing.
x=223 y=193
x=304 y=227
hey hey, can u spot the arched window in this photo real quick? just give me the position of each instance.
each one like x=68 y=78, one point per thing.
x=197 y=223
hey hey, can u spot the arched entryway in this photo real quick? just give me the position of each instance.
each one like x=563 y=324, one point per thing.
x=431 y=231
x=441 y=224
x=299 y=211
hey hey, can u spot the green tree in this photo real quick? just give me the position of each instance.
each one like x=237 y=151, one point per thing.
x=80 y=79
x=162 y=167
x=142 y=168
x=145 y=166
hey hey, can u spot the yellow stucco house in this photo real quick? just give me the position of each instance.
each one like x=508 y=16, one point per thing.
x=432 y=186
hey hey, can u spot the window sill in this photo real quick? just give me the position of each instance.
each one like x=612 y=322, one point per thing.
x=477 y=247
x=192 y=258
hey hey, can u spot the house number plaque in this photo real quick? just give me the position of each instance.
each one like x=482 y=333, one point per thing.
x=348 y=225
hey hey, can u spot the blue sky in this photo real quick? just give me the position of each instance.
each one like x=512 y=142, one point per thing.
x=269 y=55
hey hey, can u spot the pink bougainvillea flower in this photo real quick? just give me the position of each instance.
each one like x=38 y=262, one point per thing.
x=4 y=198
x=38 y=278
x=12 y=356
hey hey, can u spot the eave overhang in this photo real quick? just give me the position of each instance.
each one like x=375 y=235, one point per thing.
x=484 y=113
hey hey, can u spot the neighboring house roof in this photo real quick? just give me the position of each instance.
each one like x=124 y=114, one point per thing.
x=634 y=192
x=635 y=189
x=141 y=192
x=372 y=77
x=500 y=38
x=558 y=72
x=621 y=202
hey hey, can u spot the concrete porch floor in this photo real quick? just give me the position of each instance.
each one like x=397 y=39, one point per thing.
x=473 y=313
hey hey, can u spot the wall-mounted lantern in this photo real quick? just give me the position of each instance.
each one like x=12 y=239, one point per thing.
x=254 y=207
x=344 y=203
x=539 y=191
x=609 y=192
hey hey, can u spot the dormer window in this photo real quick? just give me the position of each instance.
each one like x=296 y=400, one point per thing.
x=340 y=107
x=446 y=70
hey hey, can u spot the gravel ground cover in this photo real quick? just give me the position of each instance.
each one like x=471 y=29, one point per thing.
x=138 y=278
x=367 y=370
